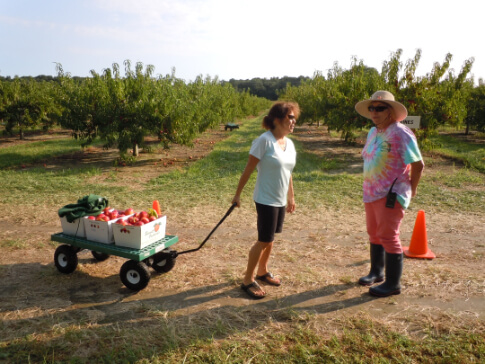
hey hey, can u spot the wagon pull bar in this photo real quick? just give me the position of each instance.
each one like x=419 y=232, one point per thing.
x=208 y=236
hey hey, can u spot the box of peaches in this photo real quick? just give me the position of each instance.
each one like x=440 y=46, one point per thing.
x=99 y=228
x=139 y=229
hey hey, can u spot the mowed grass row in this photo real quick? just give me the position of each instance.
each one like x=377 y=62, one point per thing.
x=470 y=154
x=213 y=179
x=288 y=336
x=363 y=341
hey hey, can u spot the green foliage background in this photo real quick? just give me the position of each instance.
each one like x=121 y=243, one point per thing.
x=121 y=110
x=440 y=98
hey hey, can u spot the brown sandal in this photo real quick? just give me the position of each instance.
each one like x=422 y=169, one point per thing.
x=247 y=288
x=272 y=282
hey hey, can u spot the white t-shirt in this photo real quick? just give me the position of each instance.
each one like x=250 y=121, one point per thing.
x=274 y=169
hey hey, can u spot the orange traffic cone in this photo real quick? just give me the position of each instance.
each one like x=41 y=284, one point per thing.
x=419 y=240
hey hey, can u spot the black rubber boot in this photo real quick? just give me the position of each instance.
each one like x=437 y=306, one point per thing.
x=376 y=273
x=392 y=285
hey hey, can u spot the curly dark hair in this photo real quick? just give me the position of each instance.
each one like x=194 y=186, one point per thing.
x=278 y=111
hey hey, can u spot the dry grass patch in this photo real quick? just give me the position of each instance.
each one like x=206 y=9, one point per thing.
x=197 y=312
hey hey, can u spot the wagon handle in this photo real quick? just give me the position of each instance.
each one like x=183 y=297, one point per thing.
x=208 y=236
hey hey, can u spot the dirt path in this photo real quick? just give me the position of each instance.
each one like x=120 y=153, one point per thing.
x=319 y=257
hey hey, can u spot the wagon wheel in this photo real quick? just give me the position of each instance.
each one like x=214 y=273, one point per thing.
x=100 y=257
x=135 y=275
x=163 y=262
x=65 y=259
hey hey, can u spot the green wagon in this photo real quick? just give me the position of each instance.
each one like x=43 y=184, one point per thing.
x=134 y=273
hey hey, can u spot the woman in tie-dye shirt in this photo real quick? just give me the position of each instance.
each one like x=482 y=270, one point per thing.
x=392 y=163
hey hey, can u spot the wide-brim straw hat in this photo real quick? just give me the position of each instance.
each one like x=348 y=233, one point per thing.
x=400 y=111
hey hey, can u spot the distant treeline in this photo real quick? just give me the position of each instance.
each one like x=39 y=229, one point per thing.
x=261 y=87
x=268 y=88
x=39 y=78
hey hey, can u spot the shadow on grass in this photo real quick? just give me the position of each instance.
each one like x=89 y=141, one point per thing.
x=97 y=310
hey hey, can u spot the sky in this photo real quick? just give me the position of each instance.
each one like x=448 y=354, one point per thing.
x=235 y=39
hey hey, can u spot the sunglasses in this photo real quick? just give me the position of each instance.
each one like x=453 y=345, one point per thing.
x=377 y=108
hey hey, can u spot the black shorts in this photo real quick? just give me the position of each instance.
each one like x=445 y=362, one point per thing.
x=270 y=221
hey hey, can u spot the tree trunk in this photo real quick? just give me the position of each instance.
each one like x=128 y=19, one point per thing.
x=135 y=150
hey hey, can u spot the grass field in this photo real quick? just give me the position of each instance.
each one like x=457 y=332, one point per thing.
x=197 y=313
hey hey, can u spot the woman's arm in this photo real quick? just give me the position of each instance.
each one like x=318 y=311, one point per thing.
x=416 y=173
x=250 y=166
x=291 y=206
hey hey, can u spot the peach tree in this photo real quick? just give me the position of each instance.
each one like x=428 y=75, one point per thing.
x=123 y=110
x=26 y=104
x=439 y=98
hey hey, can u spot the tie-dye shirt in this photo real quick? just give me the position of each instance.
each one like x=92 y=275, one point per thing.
x=387 y=156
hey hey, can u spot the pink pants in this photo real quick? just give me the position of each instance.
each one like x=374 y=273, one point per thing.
x=383 y=225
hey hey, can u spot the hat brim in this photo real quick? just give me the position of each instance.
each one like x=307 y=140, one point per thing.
x=400 y=110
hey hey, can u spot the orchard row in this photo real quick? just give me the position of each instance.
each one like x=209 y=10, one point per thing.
x=122 y=110
x=441 y=97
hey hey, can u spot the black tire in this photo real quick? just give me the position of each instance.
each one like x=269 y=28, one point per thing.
x=65 y=259
x=100 y=257
x=135 y=275
x=163 y=262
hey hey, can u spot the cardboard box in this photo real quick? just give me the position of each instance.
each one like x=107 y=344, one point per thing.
x=100 y=231
x=75 y=228
x=138 y=237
